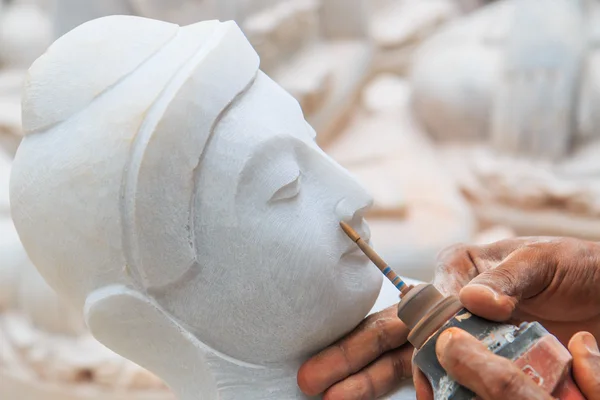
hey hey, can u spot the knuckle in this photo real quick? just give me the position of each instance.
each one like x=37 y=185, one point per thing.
x=504 y=277
x=357 y=387
x=372 y=319
x=451 y=252
x=367 y=321
x=455 y=266
x=382 y=327
x=402 y=367
x=347 y=364
x=369 y=387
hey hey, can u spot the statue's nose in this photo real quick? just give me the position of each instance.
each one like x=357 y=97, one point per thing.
x=352 y=207
x=354 y=199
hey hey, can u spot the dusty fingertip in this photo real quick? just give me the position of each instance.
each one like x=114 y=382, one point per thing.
x=423 y=389
x=486 y=302
x=304 y=380
x=443 y=340
x=481 y=290
x=584 y=341
x=450 y=346
x=590 y=343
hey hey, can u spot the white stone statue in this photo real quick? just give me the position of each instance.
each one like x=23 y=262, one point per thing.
x=45 y=350
x=519 y=82
x=174 y=193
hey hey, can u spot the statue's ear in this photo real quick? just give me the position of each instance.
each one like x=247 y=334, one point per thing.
x=134 y=326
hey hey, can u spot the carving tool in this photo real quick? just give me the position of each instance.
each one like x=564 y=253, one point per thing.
x=378 y=261
x=427 y=313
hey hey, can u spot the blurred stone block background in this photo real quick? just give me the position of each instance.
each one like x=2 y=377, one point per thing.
x=468 y=121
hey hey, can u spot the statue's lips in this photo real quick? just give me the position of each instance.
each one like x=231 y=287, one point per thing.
x=355 y=251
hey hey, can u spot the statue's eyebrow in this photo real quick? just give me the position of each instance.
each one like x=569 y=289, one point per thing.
x=270 y=152
x=266 y=150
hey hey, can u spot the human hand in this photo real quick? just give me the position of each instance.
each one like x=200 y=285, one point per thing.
x=555 y=281
x=492 y=377
x=551 y=280
x=366 y=364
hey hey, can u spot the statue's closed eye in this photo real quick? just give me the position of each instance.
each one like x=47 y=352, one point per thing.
x=288 y=191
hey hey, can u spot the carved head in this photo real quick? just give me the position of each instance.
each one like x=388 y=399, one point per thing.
x=161 y=158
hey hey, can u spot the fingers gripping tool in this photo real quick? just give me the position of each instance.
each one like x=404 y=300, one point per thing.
x=427 y=313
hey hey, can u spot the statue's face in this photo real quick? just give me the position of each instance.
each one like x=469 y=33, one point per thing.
x=276 y=276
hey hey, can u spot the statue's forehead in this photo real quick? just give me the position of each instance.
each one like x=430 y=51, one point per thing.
x=228 y=165
x=254 y=140
x=272 y=150
x=266 y=139
x=243 y=143
x=265 y=112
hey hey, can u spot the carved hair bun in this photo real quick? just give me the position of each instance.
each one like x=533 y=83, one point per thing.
x=85 y=62
x=126 y=106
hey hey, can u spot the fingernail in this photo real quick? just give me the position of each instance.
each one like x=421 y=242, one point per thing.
x=484 y=288
x=590 y=343
x=443 y=341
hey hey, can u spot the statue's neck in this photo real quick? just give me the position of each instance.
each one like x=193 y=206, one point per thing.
x=193 y=370
x=236 y=380
x=217 y=376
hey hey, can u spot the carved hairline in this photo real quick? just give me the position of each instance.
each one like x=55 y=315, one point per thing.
x=224 y=77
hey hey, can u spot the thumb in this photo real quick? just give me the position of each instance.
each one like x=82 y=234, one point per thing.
x=586 y=364
x=491 y=377
x=494 y=294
